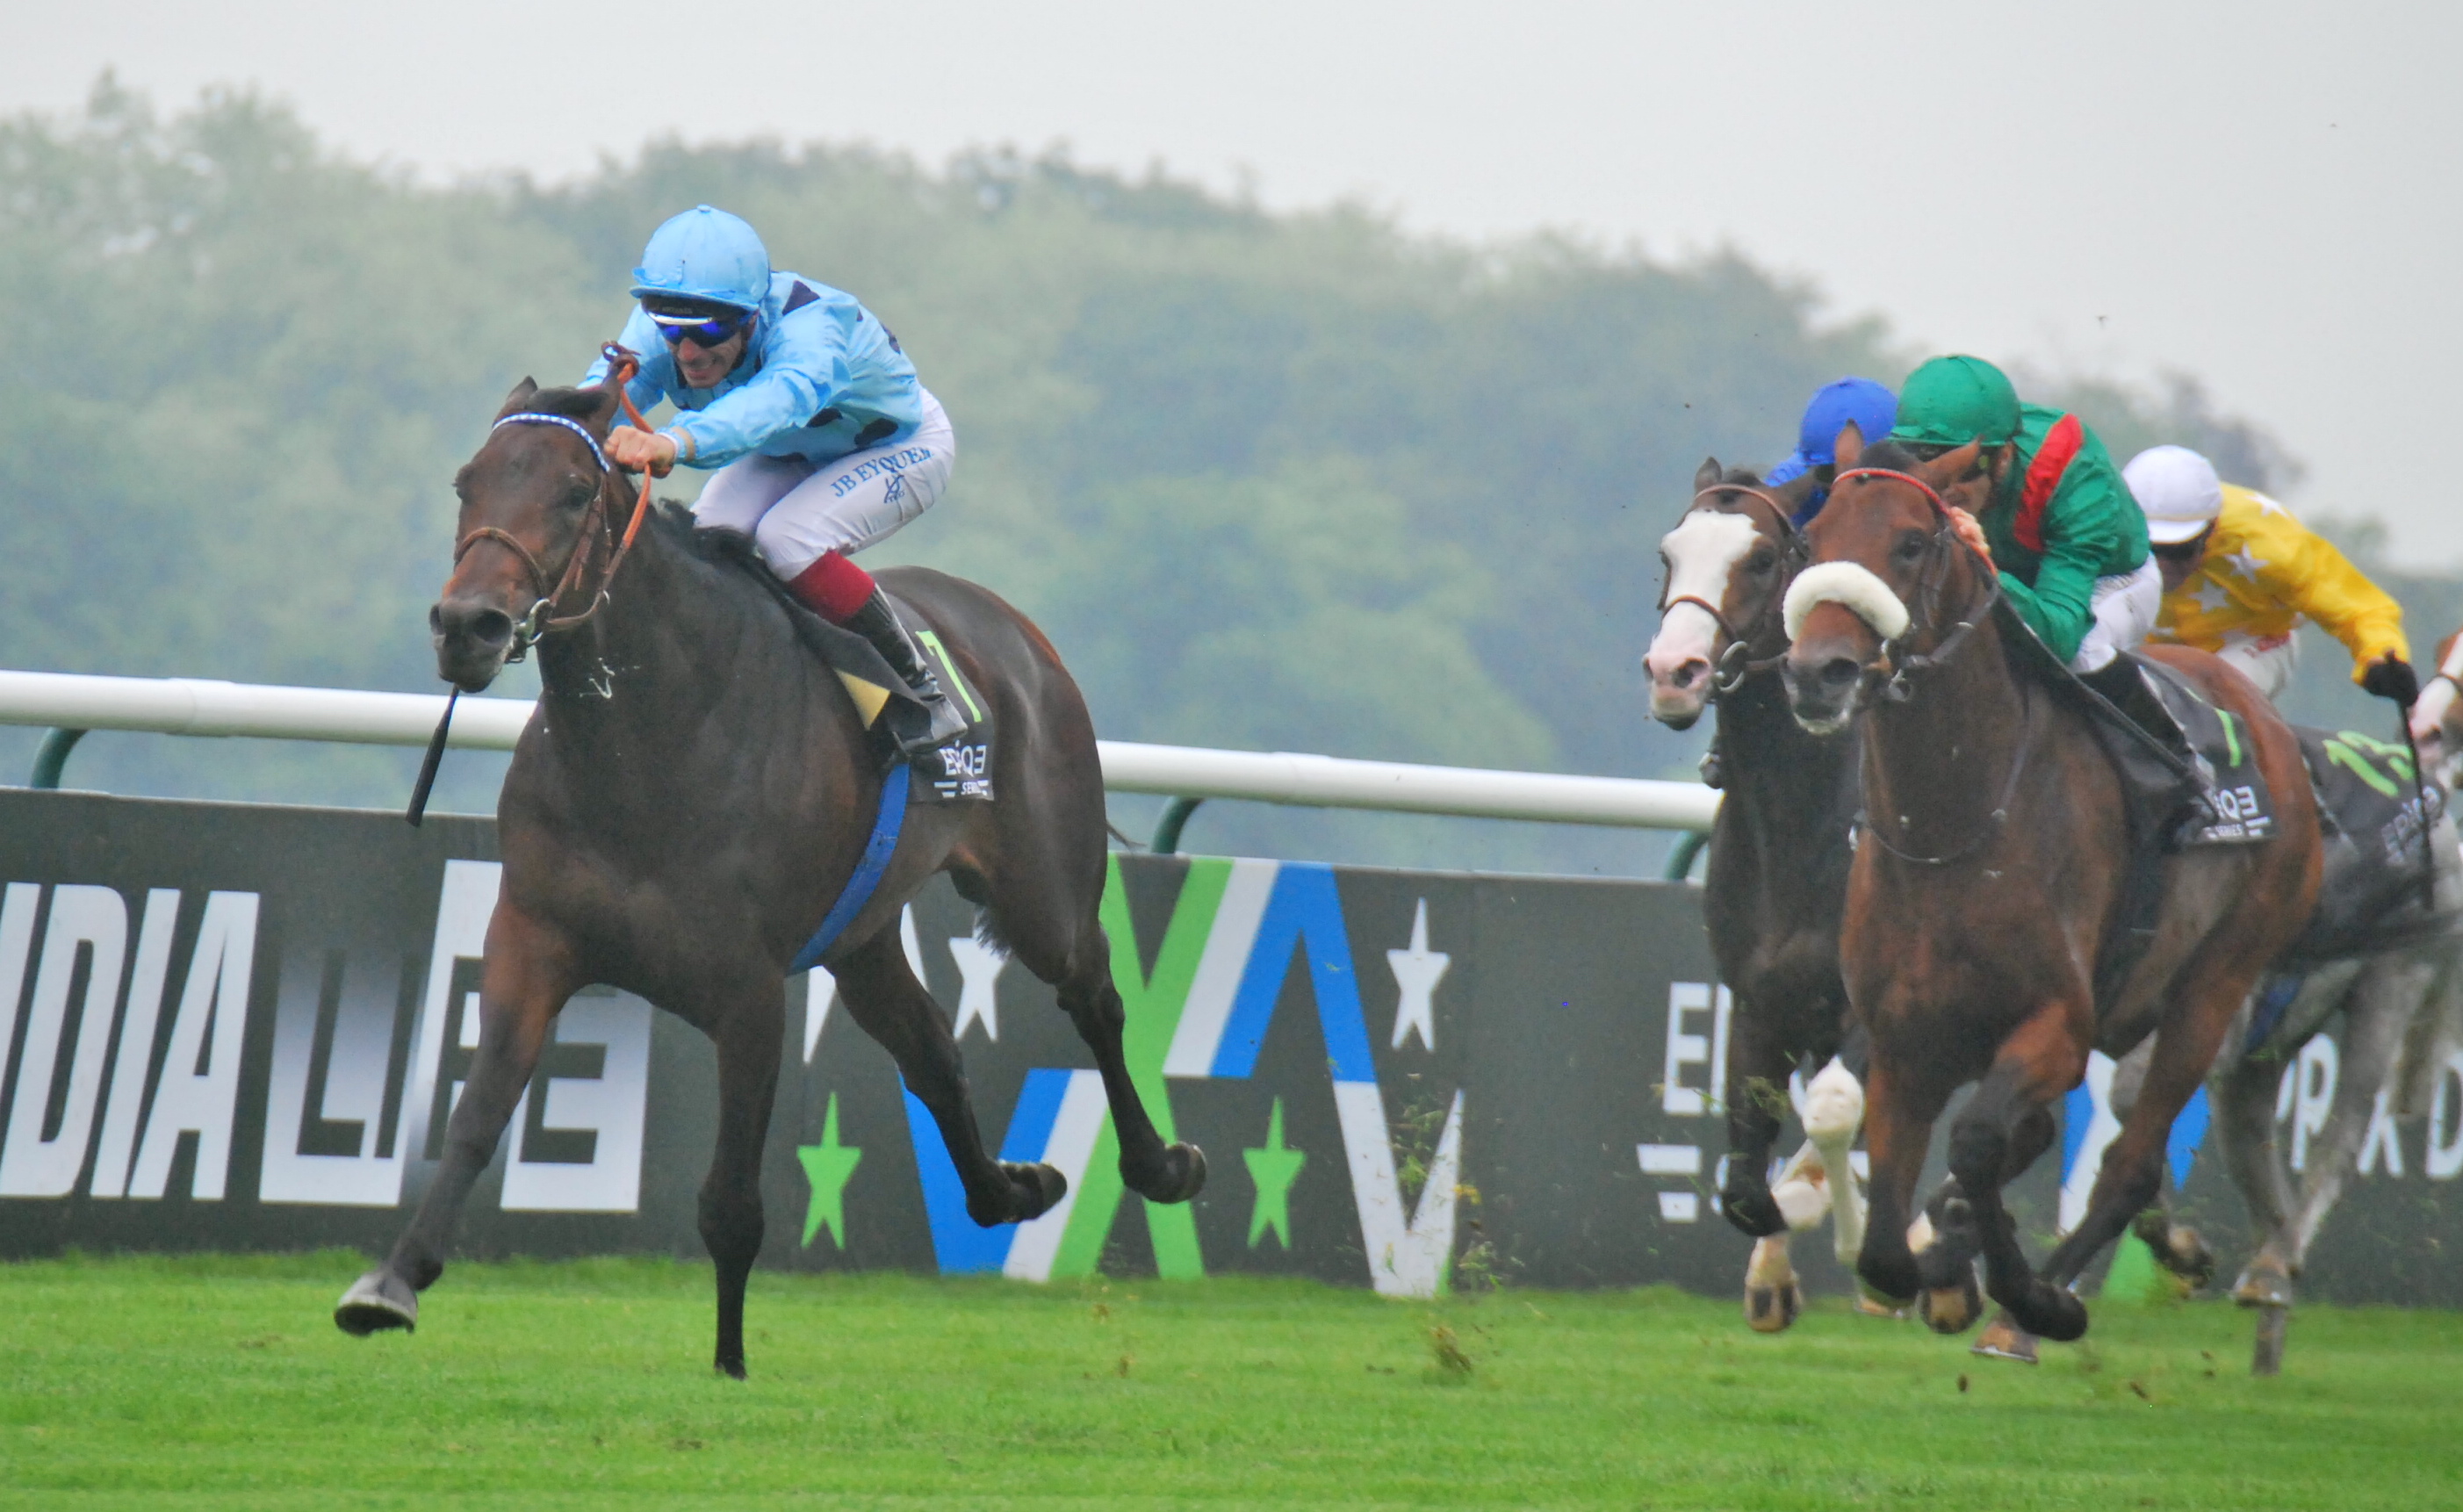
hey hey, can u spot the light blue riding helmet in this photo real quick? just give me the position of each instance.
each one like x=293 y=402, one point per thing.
x=705 y=254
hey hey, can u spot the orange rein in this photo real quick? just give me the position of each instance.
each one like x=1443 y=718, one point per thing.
x=622 y=365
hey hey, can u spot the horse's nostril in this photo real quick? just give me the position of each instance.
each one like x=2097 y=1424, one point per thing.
x=490 y=627
x=1839 y=674
x=1691 y=673
x=479 y=627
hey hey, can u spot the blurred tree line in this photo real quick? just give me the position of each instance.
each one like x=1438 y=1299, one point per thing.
x=1269 y=481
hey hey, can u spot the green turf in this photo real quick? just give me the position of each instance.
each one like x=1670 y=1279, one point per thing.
x=220 y=1382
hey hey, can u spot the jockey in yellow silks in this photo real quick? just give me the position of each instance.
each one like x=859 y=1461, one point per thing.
x=2239 y=572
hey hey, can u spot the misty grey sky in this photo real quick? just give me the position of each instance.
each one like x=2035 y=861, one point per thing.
x=2261 y=194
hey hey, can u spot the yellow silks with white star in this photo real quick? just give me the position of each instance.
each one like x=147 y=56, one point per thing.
x=2264 y=572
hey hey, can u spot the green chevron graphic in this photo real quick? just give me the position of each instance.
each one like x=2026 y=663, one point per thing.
x=1153 y=1005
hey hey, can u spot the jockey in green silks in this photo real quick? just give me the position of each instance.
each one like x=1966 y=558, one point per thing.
x=2068 y=538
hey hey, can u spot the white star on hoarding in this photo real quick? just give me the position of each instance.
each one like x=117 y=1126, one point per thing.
x=1417 y=971
x=979 y=968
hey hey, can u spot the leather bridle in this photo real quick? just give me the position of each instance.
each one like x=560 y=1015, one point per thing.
x=597 y=533
x=1896 y=664
x=1899 y=668
x=1733 y=670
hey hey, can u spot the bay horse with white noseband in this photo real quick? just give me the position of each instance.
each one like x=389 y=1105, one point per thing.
x=1988 y=880
x=1777 y=872
x=691 y=802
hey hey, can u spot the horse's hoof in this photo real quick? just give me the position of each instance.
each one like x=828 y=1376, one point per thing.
x=2052 y=1312
x=2179 y=1250
x=1952 y=1309
x=1183 y=1176
x=2004 y=1340
x=733 y=1369
x=1894 y=1283
x=377 y=1301
x=2263 y=1285
x=1037 y=1187
x=1770 y=1309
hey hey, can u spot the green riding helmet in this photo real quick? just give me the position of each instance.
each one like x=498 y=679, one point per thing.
x=1951 y=401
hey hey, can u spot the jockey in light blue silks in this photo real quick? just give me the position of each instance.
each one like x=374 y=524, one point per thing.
x=1873 y=408
x=822 y=439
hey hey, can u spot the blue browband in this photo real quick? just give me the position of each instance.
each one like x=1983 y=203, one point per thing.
x=574 y=425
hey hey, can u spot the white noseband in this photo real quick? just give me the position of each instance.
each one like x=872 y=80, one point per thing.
x=1849 y=584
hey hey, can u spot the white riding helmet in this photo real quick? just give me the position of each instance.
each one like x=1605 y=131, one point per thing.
x=2177 y=490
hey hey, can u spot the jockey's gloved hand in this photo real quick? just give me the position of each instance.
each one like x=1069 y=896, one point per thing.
x=2392 y=677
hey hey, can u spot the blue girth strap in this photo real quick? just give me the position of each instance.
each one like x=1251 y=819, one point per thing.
x=860 y=887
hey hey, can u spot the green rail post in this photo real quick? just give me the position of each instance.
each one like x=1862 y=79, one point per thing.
x=1175 y=817
x=1680 y=860
x=54 y=757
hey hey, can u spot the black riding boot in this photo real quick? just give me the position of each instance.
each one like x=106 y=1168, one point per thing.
x=938 y=719
x=2161 y=789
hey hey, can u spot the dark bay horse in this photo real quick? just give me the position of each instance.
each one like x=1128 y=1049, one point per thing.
x=1777 y=873
x=690 y=800
x=1988 y=881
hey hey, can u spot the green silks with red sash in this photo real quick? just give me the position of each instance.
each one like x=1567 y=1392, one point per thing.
x=2060 y=520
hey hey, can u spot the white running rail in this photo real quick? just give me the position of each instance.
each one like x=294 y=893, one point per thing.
x=182 y=706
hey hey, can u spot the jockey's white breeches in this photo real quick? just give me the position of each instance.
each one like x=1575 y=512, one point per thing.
x=2124 y=606
x=795 y=509
x=2267 y=660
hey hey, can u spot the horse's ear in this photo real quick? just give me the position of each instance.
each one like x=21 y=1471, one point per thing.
x=523 y=393
x=603 y=414
x=1849 y=447
x=1952 y=466
x=1706 y=476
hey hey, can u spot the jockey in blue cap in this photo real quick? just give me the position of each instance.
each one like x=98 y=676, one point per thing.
x=1873 y=408
x=807 y=408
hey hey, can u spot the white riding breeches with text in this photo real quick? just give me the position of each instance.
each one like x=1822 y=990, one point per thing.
x=2267 y=660
x=796 y=510
x=2124 y=606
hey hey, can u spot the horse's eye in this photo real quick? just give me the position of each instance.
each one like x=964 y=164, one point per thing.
x=1760 y=563
x=578 y=495
x=1911 y=550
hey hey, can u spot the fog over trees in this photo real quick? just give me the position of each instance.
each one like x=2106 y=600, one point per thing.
x=1295 y=481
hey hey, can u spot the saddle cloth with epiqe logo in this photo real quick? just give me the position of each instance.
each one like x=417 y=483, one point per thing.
x=959 y=769
x=2239 y=809
x=2373 y=812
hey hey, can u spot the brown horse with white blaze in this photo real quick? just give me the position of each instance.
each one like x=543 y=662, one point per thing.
x=1777 y=868
x=1988 y=884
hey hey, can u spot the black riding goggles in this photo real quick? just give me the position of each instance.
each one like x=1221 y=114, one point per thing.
x=712 y=332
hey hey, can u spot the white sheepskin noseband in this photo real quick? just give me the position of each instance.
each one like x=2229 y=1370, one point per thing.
x=1849 y=584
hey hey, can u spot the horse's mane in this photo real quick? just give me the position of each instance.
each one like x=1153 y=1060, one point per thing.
x=730 y=553
x=572 y=403
x=1896 y=456
x=737 y=560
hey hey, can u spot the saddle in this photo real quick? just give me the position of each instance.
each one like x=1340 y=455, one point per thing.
x=2227 y=799
x=2376 y=822
x=2374 y=813
x=957 y=770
